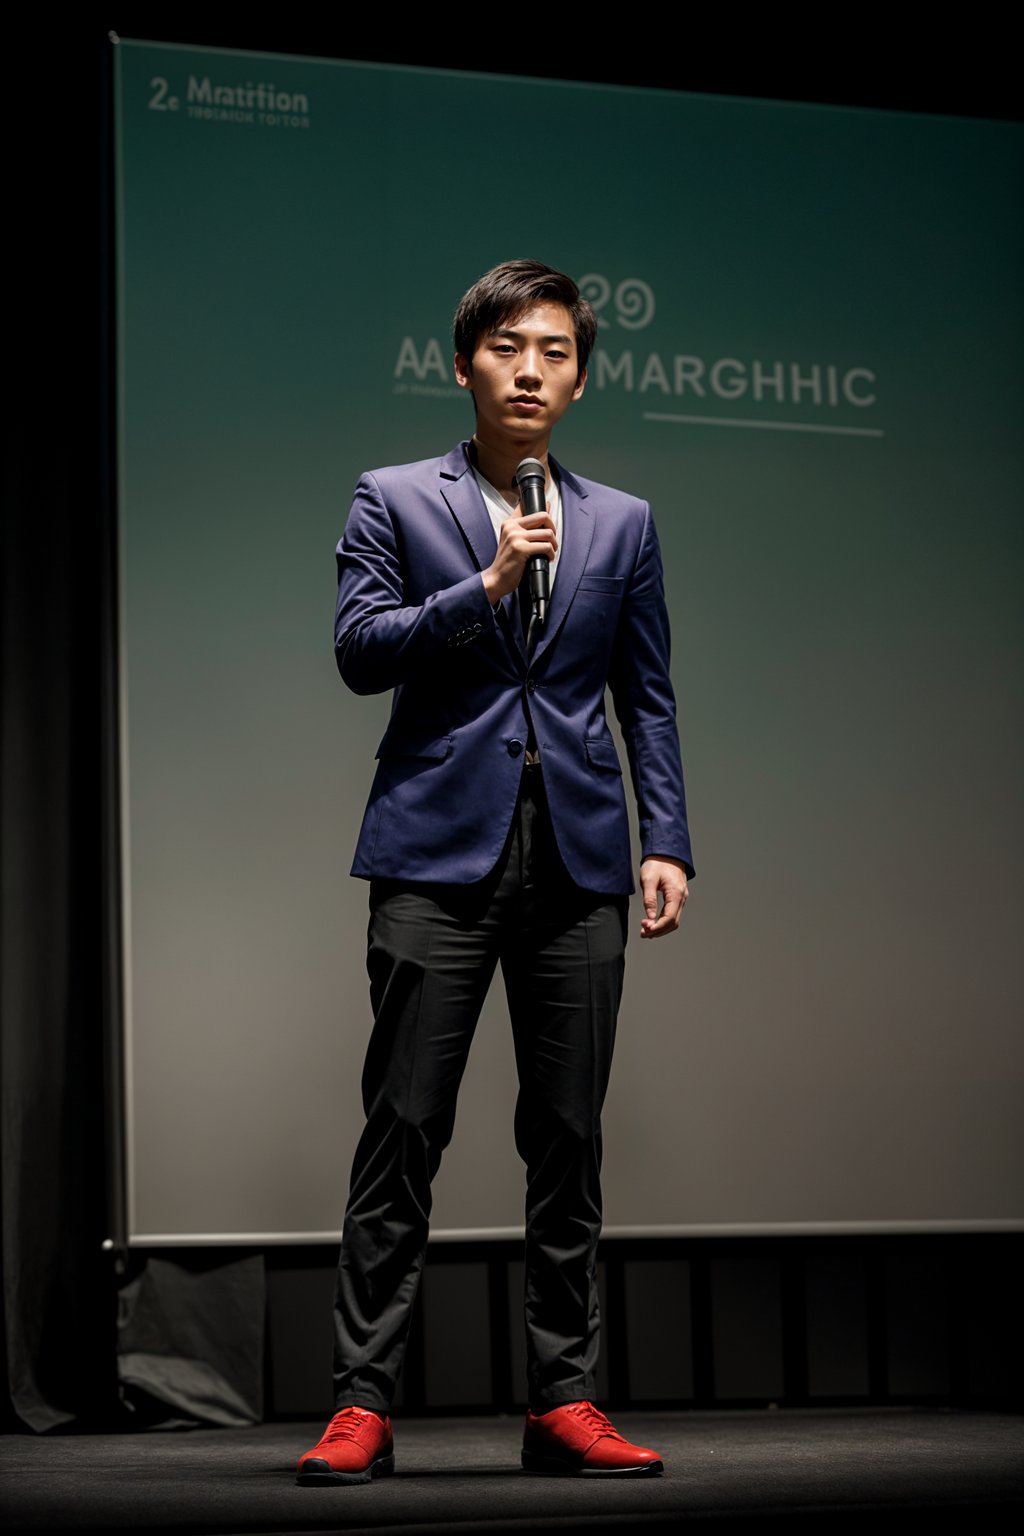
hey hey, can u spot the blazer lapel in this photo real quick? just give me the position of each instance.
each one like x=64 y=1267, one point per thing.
x=467 y=506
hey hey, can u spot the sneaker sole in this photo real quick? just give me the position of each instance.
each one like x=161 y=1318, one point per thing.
x=317 y=1473
x=550 y=1466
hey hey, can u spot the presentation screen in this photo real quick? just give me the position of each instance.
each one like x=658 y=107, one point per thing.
x=809 y=362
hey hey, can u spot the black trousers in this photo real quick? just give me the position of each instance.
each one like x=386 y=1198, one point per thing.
x=432 y=954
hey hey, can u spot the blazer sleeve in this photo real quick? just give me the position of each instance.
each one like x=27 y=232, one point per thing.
x=380 y=639
x=644 y=701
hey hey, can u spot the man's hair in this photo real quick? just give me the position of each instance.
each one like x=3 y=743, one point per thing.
x=505 y=293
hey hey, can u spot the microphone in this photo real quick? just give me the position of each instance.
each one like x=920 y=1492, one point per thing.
x=530 y=480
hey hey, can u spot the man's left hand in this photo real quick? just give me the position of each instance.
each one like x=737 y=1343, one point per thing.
x=667 y=878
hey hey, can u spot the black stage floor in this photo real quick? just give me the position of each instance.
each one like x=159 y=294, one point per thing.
x=825 y=1470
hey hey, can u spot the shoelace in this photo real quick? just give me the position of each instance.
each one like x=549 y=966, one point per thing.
x=346 y=1424
x=595 y=1419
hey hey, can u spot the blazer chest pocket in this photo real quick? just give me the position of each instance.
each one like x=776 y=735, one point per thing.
x=606 y=586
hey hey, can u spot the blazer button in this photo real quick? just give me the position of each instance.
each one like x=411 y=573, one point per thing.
x=515 y=746
x=531 y=685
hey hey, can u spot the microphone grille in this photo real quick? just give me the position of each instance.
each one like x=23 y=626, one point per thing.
x=529 y=469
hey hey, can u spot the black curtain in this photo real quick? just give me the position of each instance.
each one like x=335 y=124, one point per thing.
x=58 y=1284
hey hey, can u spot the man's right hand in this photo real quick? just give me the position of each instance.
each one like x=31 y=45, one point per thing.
x=521 y=538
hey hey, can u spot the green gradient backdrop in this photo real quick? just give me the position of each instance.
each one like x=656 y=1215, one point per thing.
x=834 y=1036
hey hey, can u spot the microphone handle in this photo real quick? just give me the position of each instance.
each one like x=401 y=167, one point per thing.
x=531 y=494
x=538 y=577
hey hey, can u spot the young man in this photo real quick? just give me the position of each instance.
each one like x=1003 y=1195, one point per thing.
x=496 y=831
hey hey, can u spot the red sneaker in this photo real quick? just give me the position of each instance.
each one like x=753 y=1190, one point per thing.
x=578 y=1440
x=356 y=1446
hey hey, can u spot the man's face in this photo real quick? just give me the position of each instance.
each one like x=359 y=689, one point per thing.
x=523 y=375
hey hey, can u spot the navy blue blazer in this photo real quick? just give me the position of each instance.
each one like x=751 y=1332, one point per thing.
x=412 y=615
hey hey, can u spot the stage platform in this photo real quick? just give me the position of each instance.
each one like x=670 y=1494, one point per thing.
x=812 y=1469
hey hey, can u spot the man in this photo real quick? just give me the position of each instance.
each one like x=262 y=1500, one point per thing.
x=496 y=831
